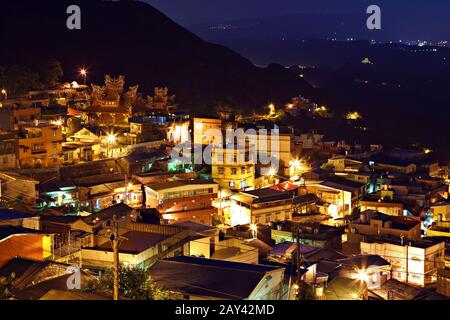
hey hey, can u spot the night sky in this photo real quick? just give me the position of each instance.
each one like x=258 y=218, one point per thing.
x=407 y=19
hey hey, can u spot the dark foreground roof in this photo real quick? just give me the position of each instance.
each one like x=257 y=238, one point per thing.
x=208 y=277
x=267 y=195
x=119 y=210
x=11 y=214
x=135 y=242
x=6 y=231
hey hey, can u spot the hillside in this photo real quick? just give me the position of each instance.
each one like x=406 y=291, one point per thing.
x=134 y=39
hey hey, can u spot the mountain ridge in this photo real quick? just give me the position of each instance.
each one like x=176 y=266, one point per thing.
x=134 y=39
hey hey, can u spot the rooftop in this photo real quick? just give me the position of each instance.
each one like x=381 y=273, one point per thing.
x=178 y=183
x=135 y=242
x=208 y=277
x=423 y=244
x=11 y=214
x=398 y=222
x=342 y=184
x=7 y=231
x=119 y=210
x=267 y=195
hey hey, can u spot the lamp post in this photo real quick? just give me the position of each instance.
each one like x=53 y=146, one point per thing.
x=111 y=139
x=273 y=173
x=5 y=94
x=83 y=73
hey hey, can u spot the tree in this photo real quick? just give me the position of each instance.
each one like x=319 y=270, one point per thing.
x=49 y=72
x=19 y=79
x=6 y=286
x=134 y=283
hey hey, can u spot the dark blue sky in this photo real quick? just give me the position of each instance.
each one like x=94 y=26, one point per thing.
x=407 y=18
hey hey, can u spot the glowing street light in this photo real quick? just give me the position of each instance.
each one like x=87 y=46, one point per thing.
x=362 y=275
x=294 y=167
x=83 y=73
x=272 y=172
x=353 y=116
x=111 y=139
x=5 y=93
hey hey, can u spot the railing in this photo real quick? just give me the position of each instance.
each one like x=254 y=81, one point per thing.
x=65 y=250
x=38 y=151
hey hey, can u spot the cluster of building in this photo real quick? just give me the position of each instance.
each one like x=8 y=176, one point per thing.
x=333 y=221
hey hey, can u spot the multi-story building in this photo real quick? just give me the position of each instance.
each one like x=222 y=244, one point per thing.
x=385 y=206
x=146 y=129
x=11 y=116
x=260 y=206
x=441 y=211
x=183 y=200
x=106 y=192
x=179 y=130
x=413 y=262
x=207 y=131
x=344 y=164
x=342 y=196
x=397 y=166
x=269 y=144
x=40 y=145
x=8 y=151
x=232 y=167
x=372 y=223
x=14 y=186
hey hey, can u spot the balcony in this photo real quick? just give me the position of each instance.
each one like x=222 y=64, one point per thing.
x=38 y=151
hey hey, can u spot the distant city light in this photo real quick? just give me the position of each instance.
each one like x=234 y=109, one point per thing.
x=353 y=115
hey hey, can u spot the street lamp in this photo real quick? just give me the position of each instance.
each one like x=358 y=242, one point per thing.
x=362 y=275
x=272 y=172
x=5 y=94
x=111 y=139
x=83 y=73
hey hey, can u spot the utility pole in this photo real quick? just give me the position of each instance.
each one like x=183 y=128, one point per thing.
x=115 y=244
x=112 y=228
x=299 y=264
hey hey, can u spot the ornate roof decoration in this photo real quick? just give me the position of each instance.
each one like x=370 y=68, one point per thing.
x=131 y=94
x=114 y=85
x=160 y=100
